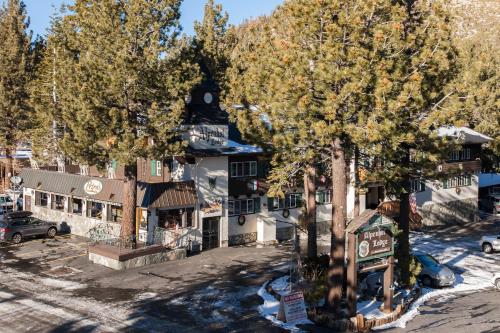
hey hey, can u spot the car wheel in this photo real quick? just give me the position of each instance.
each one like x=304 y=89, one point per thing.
x=52 y=232
x=487 y=248
x=427 y=281
x=497 y=284
x=17 y=238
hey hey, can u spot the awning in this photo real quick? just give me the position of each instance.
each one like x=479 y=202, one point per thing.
x=170 y=195
x=111 y=190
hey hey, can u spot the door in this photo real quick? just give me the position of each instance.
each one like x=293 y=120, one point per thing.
x=27 y=203
x=210 y=233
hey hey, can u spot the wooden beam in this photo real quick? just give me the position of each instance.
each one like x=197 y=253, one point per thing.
x=388 y=283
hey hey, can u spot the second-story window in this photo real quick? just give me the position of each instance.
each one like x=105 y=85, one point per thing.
x=323 y=197
x=292 y=200
x=244 y=169
x=417 y=185
x=458 y=181
x=460 y=155
x=156 y=167
x=243 y=206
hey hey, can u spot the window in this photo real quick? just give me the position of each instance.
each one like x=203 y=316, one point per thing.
x=41 y=199
x=466 y=154
x=244 y=169
x=94 y=209
x=57 y=202
x=323 y=197
x=156 y=168
x=76 y=206
x=455 y=155
x=115 y=213
x=292 y=200
x=417 y=185
x=189 y=217
x=243 y=206
x=458 y=181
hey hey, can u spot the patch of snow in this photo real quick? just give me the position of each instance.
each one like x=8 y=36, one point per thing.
x=237 y=148
x=145 y=296
x=243 y=272
x=62 y=284
x=473 y=270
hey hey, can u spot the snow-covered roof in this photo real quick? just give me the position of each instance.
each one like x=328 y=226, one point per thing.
x=464 y=133
x=489 y=179
x=238 y=148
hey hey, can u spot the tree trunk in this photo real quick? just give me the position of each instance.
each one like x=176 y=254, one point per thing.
x=335 y=277
x=8 y=168
x=129 y=205
x=403 y=252
x=310 y=192
x=356 y=210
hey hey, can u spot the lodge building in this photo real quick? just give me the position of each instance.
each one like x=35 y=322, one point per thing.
x=216 y=194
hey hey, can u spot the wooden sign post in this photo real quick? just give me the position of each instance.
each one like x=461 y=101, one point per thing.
x=370 y=241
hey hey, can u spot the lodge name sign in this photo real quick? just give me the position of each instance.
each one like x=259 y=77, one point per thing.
x=92 y=187
x=374 y=243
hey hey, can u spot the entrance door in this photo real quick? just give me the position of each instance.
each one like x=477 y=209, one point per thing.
x=27 y=203
x=210 y=233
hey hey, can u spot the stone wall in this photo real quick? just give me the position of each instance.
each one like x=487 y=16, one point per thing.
x=452 y=212
x=240 y=239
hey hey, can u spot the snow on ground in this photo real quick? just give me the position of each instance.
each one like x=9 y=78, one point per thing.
x=62 y=284
x=271 y=306
x=473 y=269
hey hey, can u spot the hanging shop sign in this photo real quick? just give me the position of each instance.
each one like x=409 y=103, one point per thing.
x=212 y=207
x=92 y=187
x=375 y=242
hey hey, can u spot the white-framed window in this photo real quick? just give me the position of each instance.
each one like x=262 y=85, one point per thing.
x=455 y=155
x=292 y=200
x=159 y=167
x=323 y=197
x=466 y=154
x=244 y=169
x=243 y=206
x=417 y=185
x=458 y=181
x=41 y=199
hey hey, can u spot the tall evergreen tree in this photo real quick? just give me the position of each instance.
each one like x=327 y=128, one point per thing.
x=119 y=72
x=409 y=92
x=213 y=42
x=16 y=67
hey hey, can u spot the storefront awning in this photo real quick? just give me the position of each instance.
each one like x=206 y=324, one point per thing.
x=103 y=189
x=167 y=195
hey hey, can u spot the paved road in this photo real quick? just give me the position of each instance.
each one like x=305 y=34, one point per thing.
x=466 y=313
x=49 y=286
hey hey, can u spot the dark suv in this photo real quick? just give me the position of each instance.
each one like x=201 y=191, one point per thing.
x=18 y=225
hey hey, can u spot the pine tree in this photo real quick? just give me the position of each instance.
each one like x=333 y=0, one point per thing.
x=16 y=67
x=214 y=40
x=119 y=72
x=409 y=93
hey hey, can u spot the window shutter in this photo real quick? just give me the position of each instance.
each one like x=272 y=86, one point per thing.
x=114 y=164
x=422 y=186
x=153 y=168
x=445 y=183
x=270 y=202
x=256 y=205
x=299 y=199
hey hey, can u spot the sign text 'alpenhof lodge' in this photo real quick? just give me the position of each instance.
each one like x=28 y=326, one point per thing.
x=374 y=242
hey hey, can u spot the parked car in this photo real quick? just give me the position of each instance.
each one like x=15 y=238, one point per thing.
x=6 y=201
x=490 y=243
x=17 y=226
x=496 y=281
x=373 y=284
x=433 y=274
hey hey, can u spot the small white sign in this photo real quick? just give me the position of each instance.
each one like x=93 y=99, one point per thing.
x=92 y=187
x=293 y=308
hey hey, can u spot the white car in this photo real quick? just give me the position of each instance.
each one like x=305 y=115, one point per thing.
x=496 y=280
x=490 y=243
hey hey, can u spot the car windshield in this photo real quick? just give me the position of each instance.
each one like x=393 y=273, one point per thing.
x=427 y=260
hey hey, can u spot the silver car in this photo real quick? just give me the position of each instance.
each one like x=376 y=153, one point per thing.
x=433 y=273
x=17 y=226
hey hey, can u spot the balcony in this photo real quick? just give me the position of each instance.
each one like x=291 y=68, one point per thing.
x=462 y=166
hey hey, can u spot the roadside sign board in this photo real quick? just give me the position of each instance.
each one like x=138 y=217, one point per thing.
x=372 y=243
x=16 y=180
x=292 y=308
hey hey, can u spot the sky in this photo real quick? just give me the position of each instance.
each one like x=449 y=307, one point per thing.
x=239 y=10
